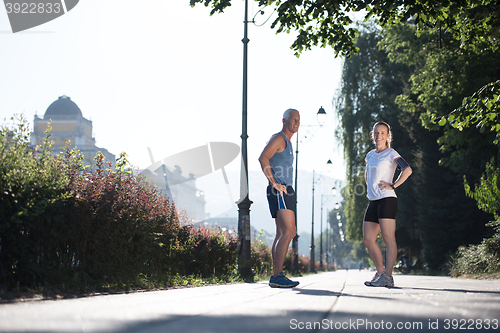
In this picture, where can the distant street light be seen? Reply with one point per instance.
(341, 233)
(312, 267)
(339, 223)
(329, 165)
(334, 191)
(321, 117)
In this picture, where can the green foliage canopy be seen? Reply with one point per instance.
(327, 23)
(473, 24)
(394, 64)
(442, 74)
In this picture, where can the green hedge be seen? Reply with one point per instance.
(483, 258)
(64, 223)
(262, 262)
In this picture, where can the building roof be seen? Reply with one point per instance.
(63, 106)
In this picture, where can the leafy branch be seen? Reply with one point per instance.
(481, 109)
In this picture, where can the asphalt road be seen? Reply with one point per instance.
(324, 302)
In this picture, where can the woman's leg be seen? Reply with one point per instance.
(370, 232)
(388, 227)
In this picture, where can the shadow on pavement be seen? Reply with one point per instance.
(465, 291)
(304, 321)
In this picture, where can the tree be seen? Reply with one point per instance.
(428, 219)
(474, 24)
(483, 257)
(370, 84)
(442, 73)
(327, 23)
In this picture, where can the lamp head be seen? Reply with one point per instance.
(321, 116)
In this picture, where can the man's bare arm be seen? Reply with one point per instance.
(275, 145)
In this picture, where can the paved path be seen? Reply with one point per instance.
(324, 302)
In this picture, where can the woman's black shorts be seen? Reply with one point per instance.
(385, 208)
(276, 201)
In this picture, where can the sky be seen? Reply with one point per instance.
(163, 75)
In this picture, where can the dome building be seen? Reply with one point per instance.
(68, 124)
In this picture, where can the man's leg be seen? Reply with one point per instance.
(285, 221)
(273, 249)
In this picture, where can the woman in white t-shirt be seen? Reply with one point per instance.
(380, 215)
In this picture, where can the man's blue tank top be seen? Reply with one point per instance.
(282, 164)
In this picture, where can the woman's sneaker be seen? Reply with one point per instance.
(281, 281)
(383, 281)
(375, 278)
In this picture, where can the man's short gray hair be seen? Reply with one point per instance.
(286, 114)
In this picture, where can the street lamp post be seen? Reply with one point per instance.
(295, 241)
(329, 166)
(327, 247)
(244, 203)
(321, 117)
(334, 191)
(321, 238)
(312, 267)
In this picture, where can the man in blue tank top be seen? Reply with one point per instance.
(276, 161)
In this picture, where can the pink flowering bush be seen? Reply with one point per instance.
(207, 252)
(63, 223)
(262, 263)
(303, 261)
(260, 254)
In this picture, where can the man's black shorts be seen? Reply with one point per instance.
(385, 208)
(276, 201)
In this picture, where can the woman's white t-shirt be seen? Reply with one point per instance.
(380, 166)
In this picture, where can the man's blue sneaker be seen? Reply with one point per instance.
(281, 281)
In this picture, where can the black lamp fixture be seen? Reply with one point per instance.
(329, 165)
(321, 116)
